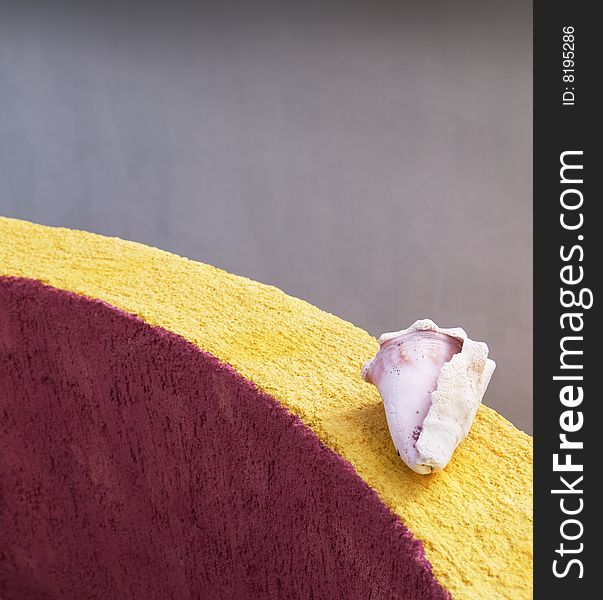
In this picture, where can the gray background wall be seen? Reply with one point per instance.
(373, 159)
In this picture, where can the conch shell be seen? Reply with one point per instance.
(432, 381)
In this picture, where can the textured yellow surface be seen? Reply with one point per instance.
(475, 518)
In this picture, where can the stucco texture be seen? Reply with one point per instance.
(474, 519)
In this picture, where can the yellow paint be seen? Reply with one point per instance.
(475, 518)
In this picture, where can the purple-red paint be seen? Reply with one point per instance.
(135, 466)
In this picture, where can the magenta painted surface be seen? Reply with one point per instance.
(133, 465)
